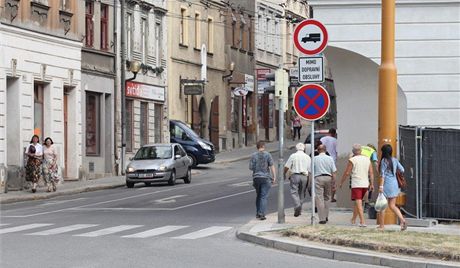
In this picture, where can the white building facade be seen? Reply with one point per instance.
(146, 96)
(427, 52)
(40, 84)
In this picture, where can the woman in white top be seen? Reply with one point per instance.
(50, 167)
(360, 169)
(34, 153)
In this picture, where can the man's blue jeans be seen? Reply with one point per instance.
(262, 186)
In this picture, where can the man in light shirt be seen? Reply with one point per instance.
(325, 171)
(298, 165)
(330, 141)
(362, 176)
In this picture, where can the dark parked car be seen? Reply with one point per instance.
(199, 150)
(159, 162)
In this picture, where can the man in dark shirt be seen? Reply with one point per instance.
(261, 164)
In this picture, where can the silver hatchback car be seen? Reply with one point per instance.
(159, 162)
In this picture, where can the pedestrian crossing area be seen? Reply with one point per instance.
(180, 232)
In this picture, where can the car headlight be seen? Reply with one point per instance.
(162, 168)
(204, 145)
(131, 169)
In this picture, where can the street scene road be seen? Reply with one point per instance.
(189, 225)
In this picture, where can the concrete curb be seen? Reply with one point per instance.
(32, 197)
(245, 157)
(337, 253)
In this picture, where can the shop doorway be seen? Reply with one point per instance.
(214, 123)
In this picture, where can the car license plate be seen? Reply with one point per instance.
(146, 175)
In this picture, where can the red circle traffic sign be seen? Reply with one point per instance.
(311, 102)
(307, 33)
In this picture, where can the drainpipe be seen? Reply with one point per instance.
(115, 82)
(123, 86)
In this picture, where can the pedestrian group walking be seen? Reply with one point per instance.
(42, 161)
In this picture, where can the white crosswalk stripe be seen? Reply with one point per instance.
(204, 232)
(23, 227)
(156, 231)
(65, 229)
(110, 230)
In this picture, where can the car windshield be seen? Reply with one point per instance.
(153, 152)
(189, 130)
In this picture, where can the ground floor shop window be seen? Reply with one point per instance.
(129, 125)
(157, 124)
(144, 131)
(38, 109)
(92, 123)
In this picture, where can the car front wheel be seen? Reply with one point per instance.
(129, 184)
(172, 179)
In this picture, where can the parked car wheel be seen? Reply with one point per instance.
(130, 184)
(188, 177)
(194, 161)
(172, 179)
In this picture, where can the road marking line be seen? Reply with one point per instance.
(212, 200)
(65, 229)
(156, 231)
(61, 202)
(116, 200)
(3, 224)
(167, 200)
(159, 209)
(23, 227)
(242, 184)
(204, 232)
(110, 230)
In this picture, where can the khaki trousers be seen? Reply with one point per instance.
(323, 192)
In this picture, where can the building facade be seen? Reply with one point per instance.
(98, 88)
(239, 54)
(196, 88)
(269, 57)
(40, 80)
(146, 106)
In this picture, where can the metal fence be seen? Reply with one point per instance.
(431, 158)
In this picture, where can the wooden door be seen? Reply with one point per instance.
(66, 117)
(214, 123)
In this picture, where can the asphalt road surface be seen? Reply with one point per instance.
(186, 225)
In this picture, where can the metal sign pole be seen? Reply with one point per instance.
(312, 142)
(281, 216)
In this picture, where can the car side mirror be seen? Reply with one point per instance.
(177, 156)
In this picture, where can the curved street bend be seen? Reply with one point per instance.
(187, 225)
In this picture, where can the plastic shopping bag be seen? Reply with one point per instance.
(381, 203)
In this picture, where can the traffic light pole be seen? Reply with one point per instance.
(281, 216)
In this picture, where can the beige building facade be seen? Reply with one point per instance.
(197, 92)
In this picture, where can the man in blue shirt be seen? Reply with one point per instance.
(261, 164)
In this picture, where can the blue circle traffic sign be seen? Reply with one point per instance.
(311, 102)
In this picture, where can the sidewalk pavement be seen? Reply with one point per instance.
(74, 187)
(264, 233)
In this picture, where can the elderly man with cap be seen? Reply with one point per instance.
(298, 164)
(324, 182)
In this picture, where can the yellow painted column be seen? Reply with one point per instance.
(388, 88)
